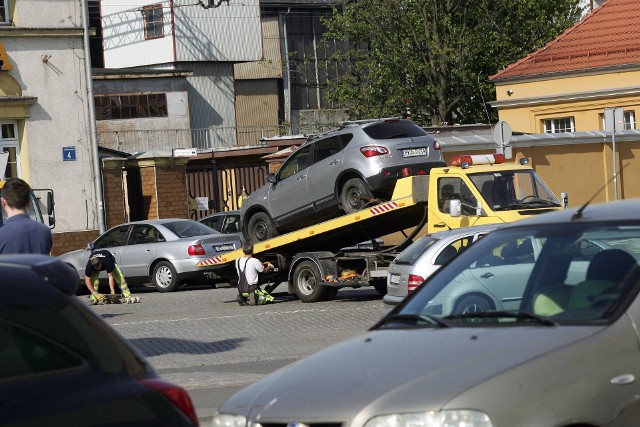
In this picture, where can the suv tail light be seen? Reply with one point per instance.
(196, 250)
(406, 172)
(413, 283)
(436, 145)
(176, 395)
(373, 150)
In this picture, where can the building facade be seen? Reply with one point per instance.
(44, 107)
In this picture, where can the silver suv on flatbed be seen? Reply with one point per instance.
(337, 172)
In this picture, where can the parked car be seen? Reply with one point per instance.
(162, 251)
(424, 256)
(62, 365)
(550, 342)
(223, 222)
(341, 170)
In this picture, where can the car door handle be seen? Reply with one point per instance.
(487, 275)
(302, 177)
(334, 162)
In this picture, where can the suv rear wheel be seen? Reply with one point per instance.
(355, 195)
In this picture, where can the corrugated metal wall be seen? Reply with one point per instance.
(270, 66)
(230, 32)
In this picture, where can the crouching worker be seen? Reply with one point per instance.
(248, 268)
(103, 260)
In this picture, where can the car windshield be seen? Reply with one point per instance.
(189, 228)
(572, 273)
(513, 190)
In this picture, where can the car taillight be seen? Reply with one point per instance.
(414, 282)
(436, 145)
(176, 395)
(406, 172)
(196, 250)
(373, 150)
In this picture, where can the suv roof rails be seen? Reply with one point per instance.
(354, 122)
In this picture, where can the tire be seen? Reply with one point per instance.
(355, 195)
(380, 285)
(164, 277)
(473, 304)
(306, 282)
(261, 227)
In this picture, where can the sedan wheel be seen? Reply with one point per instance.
(164, 277)
(473, 304)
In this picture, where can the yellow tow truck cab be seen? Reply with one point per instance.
(483, 189)
(316, 261)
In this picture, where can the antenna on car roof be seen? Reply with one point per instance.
(578, 214)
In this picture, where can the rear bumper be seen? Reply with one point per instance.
(384, 182)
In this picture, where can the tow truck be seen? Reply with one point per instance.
(472, 190)
(36, 207)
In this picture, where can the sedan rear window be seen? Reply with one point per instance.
(410, 255)
(189, 228)
(391, 130)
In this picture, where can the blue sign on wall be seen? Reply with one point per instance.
(68, 154)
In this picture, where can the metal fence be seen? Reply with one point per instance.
(132, 141)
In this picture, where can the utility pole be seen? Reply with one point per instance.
(614, 120)
(92, 118)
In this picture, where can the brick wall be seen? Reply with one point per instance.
(172, 192)
(66, 242)
(148, 178)
(113, 197)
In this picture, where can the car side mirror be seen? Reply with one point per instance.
(455, 208)
(91, 245)
(272, 178)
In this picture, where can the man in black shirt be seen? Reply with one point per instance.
(103, 260)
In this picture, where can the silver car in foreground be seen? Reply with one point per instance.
(163, 251)
(424, 256)
(552, 341)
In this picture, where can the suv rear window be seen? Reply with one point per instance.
(390, 130)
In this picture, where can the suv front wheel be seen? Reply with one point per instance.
(355, 195)
(261, 227)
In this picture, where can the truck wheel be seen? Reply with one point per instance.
(306, 282)
(355, 195)
(261, 227)
(164, 277)
(380, 285)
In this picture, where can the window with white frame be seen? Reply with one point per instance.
(560, 124)
(4, 12)
(630, 119)
(9, 144)
(153, 21)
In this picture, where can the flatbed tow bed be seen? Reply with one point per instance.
(321, 244)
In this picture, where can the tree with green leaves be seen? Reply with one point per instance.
(431, 59)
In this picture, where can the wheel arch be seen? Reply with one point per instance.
(477, 294)
(244, 221)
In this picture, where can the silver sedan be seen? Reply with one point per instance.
(164, 251)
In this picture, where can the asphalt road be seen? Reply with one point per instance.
(203, 340)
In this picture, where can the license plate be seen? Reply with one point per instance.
(224, 248)
(394, 279)
(414, 152)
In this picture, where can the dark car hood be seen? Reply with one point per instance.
(382, 368)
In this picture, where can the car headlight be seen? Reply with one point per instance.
(450, 418)
(228, 420)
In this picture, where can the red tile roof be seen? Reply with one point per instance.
(607, 37)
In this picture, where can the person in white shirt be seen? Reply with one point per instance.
(248, 269)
